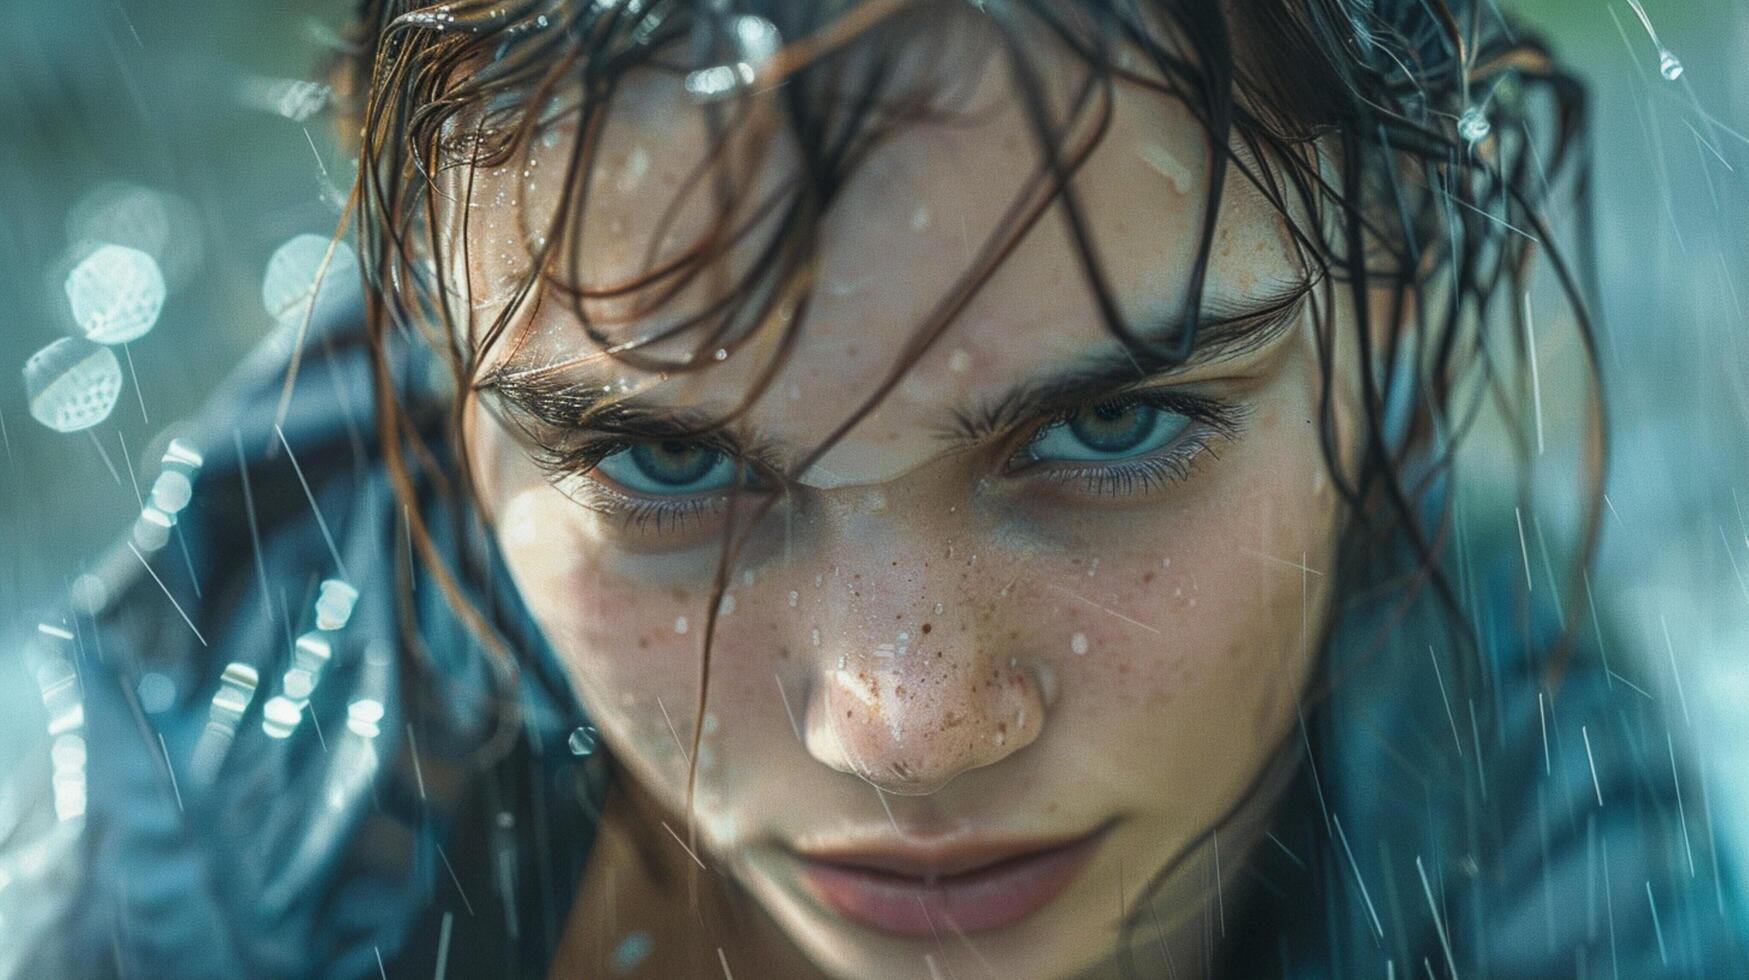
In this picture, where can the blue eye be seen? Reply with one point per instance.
(669, 468)
(1113, 430)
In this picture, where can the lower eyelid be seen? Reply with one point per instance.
(1167, 465)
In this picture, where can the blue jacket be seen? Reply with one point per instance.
(1455, 813)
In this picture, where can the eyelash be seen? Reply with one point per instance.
(1210, 421)
(569, 469)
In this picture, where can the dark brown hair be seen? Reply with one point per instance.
(1414, 146)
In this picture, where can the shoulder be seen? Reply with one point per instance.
(267, 782)
(1506, 805)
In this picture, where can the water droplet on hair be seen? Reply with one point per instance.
(116, 293)
(1669, 65)
(72, 384)
(1473, 125)
(582, 740)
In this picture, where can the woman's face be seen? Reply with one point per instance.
(1069, 632)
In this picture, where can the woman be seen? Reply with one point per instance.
(896, 489)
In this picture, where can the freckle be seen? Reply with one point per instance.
(927, 628)
(1147, 577)
(643, 643)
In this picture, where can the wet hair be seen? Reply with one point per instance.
(1413, 147)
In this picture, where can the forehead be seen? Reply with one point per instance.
(898, 239)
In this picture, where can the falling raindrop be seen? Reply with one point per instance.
(157, 692)
(162, 225)
(152, 529)
(72, 384)
(171, 491)
(334, 604)
(290, 288)
(582, 740)
(116, 293)
(363, 716)
(280, 716)
(1473, 125)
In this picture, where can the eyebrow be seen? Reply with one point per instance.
(1230, 330)
(1234, 330)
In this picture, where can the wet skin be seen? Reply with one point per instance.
(939, 638)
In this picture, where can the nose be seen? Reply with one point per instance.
(910, 720)
(911, 707)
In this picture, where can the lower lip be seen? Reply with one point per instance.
(989, 898)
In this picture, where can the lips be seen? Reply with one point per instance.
(968, 887)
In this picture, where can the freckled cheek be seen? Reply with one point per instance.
(631, 644)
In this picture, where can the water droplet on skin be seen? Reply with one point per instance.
(920, 219)
(680, 626)
(116, 294)
(1669, 65)
(721, 354)
(1078, 644)
(1473, 125)
(72, 384)
(582, 740)
(1168, 166)
(631, 951)
(636, 167)
(794, 598)
(959, 362)
(938, 608)
(727, 606)
(814, 637)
